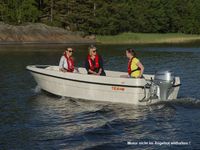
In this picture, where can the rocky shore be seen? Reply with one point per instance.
(39, 33)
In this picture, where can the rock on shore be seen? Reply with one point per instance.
(39, 33)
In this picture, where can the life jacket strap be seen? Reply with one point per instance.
(138, 68)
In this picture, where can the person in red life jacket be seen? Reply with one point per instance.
(66, 63)
(135, 67)
(94, 62)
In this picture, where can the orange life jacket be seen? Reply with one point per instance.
(70, 63)
(93, 67)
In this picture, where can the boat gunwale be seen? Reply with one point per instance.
(83, 81)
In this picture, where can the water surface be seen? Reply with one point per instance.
(32, 119)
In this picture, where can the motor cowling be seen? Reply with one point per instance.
(164, 79)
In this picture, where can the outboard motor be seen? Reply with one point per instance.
(164, 80)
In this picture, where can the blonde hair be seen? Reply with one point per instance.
(68, 48)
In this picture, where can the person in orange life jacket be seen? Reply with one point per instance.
(94, 62)
(135, 67)
(66, 63)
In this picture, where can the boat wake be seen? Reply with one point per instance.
(37, 89)
(183, 102)
(97, 124)
(187, 102)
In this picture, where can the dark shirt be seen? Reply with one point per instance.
(87, 66)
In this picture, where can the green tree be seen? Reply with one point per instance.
(2, 11)
(29, 11)
(19, 11)
(107, 17)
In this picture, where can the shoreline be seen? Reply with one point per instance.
(185, 41)
(150, 43)
(41, 34)
(148, 38)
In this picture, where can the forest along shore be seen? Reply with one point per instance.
(148, 38)
(40, 33)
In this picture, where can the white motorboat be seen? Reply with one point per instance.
(114, 87)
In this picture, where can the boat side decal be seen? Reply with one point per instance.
(115, 88)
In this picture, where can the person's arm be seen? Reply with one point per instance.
(76, 70)
(92, 72)
(61, 64)
(139, 64)
(87, 67)
(100, 70)
(100, 65)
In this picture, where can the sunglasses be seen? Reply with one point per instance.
(70, 51)
(94, 51)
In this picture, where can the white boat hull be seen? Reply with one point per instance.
(111, 88)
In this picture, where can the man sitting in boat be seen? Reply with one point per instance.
(66, 61)
(135, 67)
(94, 62)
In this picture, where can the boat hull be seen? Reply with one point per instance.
(97, 88)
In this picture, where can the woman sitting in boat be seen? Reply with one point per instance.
(66, 61)
(135, 67)
(94, 62)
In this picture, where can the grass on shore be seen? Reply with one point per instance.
(147, 38)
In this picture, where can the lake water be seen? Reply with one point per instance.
(32, 119)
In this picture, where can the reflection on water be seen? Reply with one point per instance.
(78, 124)
(31, 118)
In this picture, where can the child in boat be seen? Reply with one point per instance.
(135, 67)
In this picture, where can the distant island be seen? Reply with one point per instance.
(39, 33)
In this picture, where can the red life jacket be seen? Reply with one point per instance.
(70, 63)
(129, 67)
(93, 67)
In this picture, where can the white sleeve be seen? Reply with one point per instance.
(65, 63)
(61, 63)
